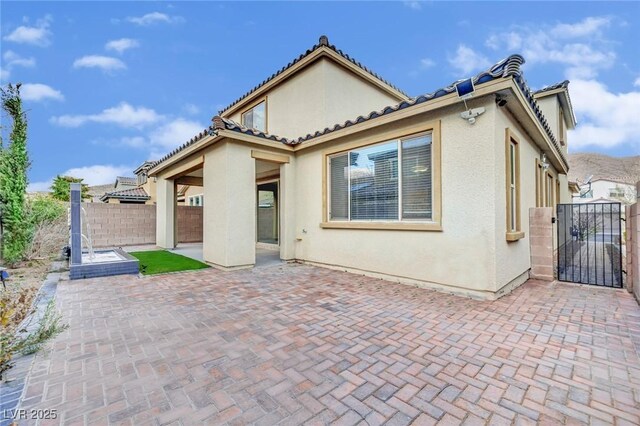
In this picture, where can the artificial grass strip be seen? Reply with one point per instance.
(162, 261)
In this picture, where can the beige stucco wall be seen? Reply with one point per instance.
(513, 258)
(550, 106)
(321, 95)
(229, 235)
(150, 187)
(165, 213)
(460, 258)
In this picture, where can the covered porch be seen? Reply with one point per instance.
(247, 204)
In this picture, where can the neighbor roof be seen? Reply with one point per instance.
(99, 190)
(127, 194)
(144, 166)
(507, 68)
(322, 42)
(126, 180)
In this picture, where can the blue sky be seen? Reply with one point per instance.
(109, 85)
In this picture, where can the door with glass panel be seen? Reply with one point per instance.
(268, 218)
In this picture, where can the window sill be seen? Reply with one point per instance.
(400, 226)
(515, 236)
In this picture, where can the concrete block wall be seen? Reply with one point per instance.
(541, 243)
(189, 224)
(114, 225)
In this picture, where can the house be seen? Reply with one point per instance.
(190, 195)
(360, 176)
(99, 193)
(604, 179)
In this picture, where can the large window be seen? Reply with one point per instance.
(389, 181)
(256, 117)
(513, 187)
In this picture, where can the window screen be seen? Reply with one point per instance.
(416, 178)
(255, 118)
(339, 173)
(374, 182)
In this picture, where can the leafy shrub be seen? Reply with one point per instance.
(15, 306)
(49, 230)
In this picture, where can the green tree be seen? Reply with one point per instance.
(14, 163)
(62, 185)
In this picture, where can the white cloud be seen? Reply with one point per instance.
(584, 55)
(106, 63)
(427, 63)
(134, 141)
(39, 92)
(191, 109)
(154, 18)
(606, 119)
(637, 82)
(174, 134)
(42, 186)
(121, 44)
(415, 5)
(587, 27)
(467, 60)
(123, 115)
(98, 174)
(12, 59)
(38, 35)
(92, 175)
(4, 74)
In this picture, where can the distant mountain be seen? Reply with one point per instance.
(619, 169)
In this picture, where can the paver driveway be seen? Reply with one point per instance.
(297, 344)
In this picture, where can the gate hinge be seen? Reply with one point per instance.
(623, 219)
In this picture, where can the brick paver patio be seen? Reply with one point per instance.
(296, 344)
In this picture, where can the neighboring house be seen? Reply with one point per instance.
(361, 177)
(186, 194)
(98, 192)
(613, 179)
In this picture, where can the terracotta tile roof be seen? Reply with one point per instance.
(323, 41)
(561, 85)
(99, 190)
(146, 165)
(507, 68)
(127, 194)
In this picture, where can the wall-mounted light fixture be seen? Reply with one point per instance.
(545, 163)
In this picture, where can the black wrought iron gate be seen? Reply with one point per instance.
(590, 243)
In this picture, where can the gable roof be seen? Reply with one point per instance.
(561, 89)
(323, 42)
(146, 165)
(99, 190)
(126, 181)
(509, 67)
(127, 194)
